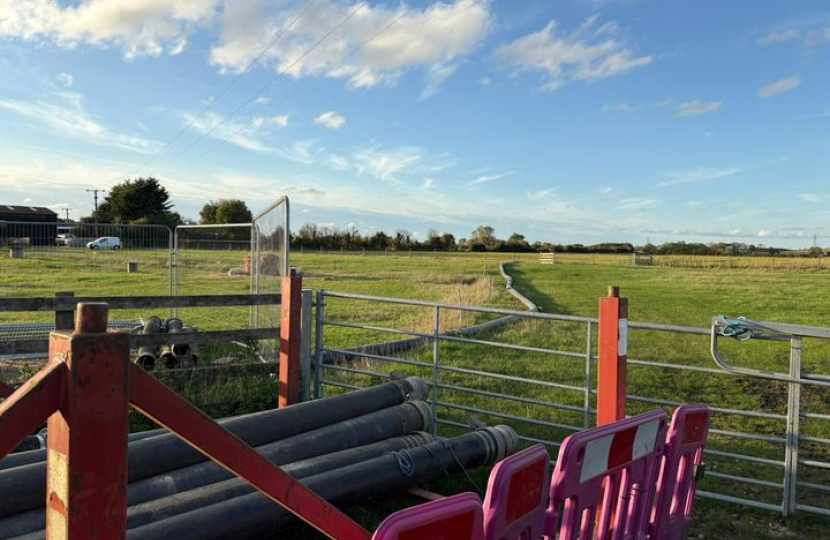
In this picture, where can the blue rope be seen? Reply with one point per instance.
(741, 329)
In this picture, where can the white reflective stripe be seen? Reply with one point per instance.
(645, 439)
(622, 344)
(596, 458)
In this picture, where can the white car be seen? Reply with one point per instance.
(105, 242)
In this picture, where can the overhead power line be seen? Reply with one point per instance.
(259, 92)
(210, 104)
(290, 94)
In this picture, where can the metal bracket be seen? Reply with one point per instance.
(782, 332)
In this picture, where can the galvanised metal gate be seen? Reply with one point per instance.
(770, 438)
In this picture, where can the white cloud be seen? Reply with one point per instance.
(811, 197)
(637, 203)
(428, 183)
(490, 178)
(763, 233)
(779, 36)
(436, 75)
(485, 81)
(275, 121)
(697, 108)
(434, 37)
(331, 120)
(248, 134)
(811, 32)
(386, 165)
(623, 107)
(605, 190)
(65, 79)
(780, 86)
(699, 174)
(67, 117)
(138, 27)
(589, 53)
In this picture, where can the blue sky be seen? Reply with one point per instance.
(568, 121)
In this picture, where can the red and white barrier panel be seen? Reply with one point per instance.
(605, 479)
(671, 517)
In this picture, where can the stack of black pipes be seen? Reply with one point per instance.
(348, 449)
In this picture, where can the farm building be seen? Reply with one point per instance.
(31, 225)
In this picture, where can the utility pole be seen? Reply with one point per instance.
(66, 213)
(95, 199)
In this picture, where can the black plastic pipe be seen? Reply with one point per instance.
(254, 516)
(147, 356)
(24, 488)
(30, 525)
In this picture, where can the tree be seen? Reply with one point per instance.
(225, 211)
(143, 200)
(484, 235)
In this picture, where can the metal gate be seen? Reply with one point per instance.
(770, 438)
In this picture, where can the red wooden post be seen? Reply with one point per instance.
(613, 345)
(86, 491)
(290, 332)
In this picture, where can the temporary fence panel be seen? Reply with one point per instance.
(270, 239)
(126, 259)
(769, 443)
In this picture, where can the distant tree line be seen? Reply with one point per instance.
(146, 201)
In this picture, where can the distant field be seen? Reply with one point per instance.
(682, 296)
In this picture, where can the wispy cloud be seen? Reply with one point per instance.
(811, 32)
(780, 86)
(623, 107)
(697, 108)
(331, 120)
(65, 115)
(637, 203)
(590, 53)
(65, 79)
(699, 174)
(811, 197)
(485, 178)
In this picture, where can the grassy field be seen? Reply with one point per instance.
(680, 296)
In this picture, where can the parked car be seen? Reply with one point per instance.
(105, 242)
(68, 240)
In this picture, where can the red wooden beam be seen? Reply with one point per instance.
(87, 445)
(613, 359)
(25, 410)
(290, 322)
(166, 408)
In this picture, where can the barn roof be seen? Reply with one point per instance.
(26, 210)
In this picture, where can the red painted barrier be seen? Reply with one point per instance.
(456, 518)
(86, 388)
(5, 390)
(605, 479)
(613, 351)
(672, 515)
(517, 494)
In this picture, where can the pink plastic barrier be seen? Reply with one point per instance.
(514, 508)
(672, 515)
(618, 462)
(454, 518)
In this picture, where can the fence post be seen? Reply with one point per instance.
(305, 345)
(319, 344)
(613, 345)
(436, 366)
(793, 430)
(65, 320)
(86, 492)
(290, 337)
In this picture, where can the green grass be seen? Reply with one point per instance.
(679, 296)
